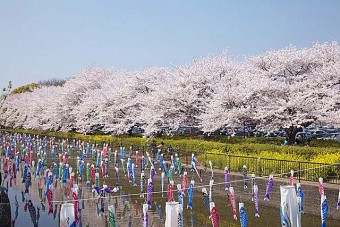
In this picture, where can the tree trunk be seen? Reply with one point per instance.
(130, 132)
(291, 133)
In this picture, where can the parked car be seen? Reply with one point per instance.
(137, 130)
(331, 136)
(303, 136)
(188, 130)
(281, 133)
(337, 138)
(259, 134)
(316, 133)
(270, 135)
(96, 127)
(71, 128)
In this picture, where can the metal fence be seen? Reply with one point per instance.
(308, 171)
(304, 170)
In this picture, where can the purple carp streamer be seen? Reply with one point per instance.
(145, 215)
(150, 191)
(226, 178)
(256, 200)
(252, 186)
(269, 187)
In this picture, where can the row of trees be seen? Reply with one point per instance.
(5, 92)
(286, 88)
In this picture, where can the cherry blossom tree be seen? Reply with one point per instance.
(286, 88)
(183, 96)
(299, 94)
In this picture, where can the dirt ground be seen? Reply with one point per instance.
(132, 205)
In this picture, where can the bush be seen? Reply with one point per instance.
(25, 88)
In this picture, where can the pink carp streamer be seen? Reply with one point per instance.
(232, 201)
(170, 191)
(49, 199)
(215, 219)
(184, 182)
(71, 183)
(134, 177)
(321, 190)
(291, 178)
(76, 205)
(197, 173)
(93, 174)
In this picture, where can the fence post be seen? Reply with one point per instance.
(229, 167)
(299, 173)
(259, 167)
